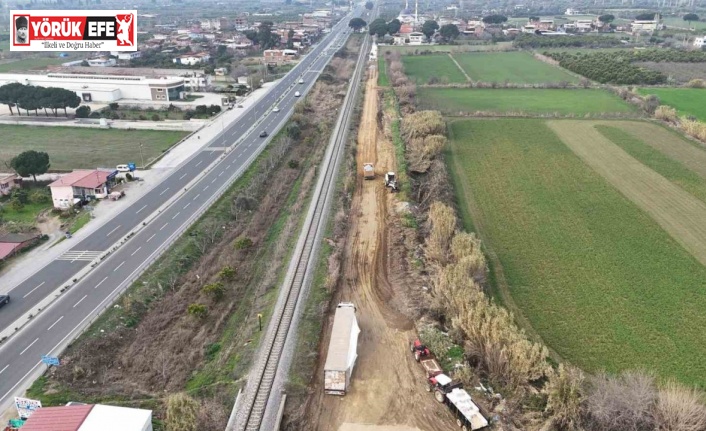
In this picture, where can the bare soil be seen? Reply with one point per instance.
(387, 384)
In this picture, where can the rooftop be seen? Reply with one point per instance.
(65, 418)
(85, 179)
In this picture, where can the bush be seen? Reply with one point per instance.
(197, 310)
(141, 117)
(243, 243)
(679, 409)
(294, 131)
(16, 204)
(182, 413)
(216, 290)
(666, 113)
(21, 195)
(696, 83)
(189, 114)
(227, 273)
(211, 350)
(83, 111)
(565, 393)
(293, 164)
(113, 106)
(156, 117)
(621, 403)
(114, 116)
(39, 197)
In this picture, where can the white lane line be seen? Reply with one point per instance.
(205, 188)
(182, 177)
(28, 293)
(196, 197)
(116, 228)
(138, 249)
(138, 211)
(164, 191)
(214, 180)
(230, 165)
(187, 205)
(220, 173)
(1, 371)
(118, 267)
(80, 300)
(148, 239)
(176, 215)
(101, 282)
(196, 165)
(30, 345)
(165, 225)
(52, 325)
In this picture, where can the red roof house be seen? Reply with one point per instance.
(80, 185)
(65, 418)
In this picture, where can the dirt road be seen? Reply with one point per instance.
(387, 384)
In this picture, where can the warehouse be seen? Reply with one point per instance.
(105, 88)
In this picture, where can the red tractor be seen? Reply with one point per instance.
(419, 350)
(441, 384)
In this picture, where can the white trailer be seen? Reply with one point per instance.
(342, 350)
(468, 415)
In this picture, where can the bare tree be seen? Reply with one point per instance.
(622, 403)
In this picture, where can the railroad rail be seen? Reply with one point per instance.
(261, 379)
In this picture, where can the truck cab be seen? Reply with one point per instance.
(441, 384)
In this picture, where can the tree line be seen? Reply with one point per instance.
(534, 41)
(34, 98)
(608, 67)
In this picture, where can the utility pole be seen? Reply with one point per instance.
(142, 157)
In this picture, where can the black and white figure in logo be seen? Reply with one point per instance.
(124, 29)
(21, 26)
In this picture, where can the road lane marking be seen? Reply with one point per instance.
(138, 249)
(101, 282)
(148, 239)
(187, 205)
(117, 267)
(164, 191)
(214, 180)
(79, 301)
(116, 228)
(220, 174)
(165, 225)
(57, 321)
(205, 188)
(196, 197)
(30, 345)
(1, 371)
(181, 177)
(138, 211)
(28, 293)
(197, 165)
(176, 215)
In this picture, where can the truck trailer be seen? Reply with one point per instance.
(467, 413)
(342, 350)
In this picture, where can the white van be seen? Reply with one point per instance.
(123, 168)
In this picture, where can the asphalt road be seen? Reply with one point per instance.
(20, 357)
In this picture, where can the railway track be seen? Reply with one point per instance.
(257, 393)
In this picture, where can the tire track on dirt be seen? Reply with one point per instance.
(679, 213)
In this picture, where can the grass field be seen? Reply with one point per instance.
(411, 50)
(30, 64)
(84, 148)
(515, 67)
(421, 68)
(596, 276)
(687, 101)
(680, 23)
(530, 101)
(383, 80)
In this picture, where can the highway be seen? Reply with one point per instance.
(55, 327)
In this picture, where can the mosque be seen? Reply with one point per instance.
(406, 16)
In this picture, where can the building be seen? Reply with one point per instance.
(90, 417)
(581, 25)
(12, 243)
(192, 59)
(647, 25)
(80, 186)
(373, 52)
(9, 182)
(279, 56)
(104, 87)
(194, 79)
(571, 11)
(101, 62)
(700, 42)
(126, 56)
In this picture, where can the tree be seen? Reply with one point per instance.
(691, 17)
(266, 39)
(30, 163)
(394, 26)
(449, 32)
(369, 5)
(182, 413)
(10, 94)
(606, 19)
(290, 39)
(83, 111)
(494, 19)
(357, 23)
(429, 28)
(534, 18)
(648, 16)
(378, 27)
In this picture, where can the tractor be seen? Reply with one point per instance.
(419, 350)
(441, 384)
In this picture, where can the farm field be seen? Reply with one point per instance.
(422, 68)
(581, 261)
(679, 72)
(515, 67)
(84, 148)
(679, 22)
(450, 101)
(411, 50)
(583, 50)
(383, 80)
(687, 101)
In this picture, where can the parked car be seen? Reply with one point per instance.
(4, 300)
(123, 168)
(263, 134)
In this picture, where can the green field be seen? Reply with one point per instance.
(595, 276)
(687, 101)
(411, 49)
(680, 23)
(531, 101)
(423, 68)
(30, 64)
(515, 67)
(85, 148)
(383, 80)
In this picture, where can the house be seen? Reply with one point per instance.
(647, 25)
(81, 185)
(581, 25)
(416, 38)
(571, 11)
(12, 243)
(9, 182)
(192, 59)
(700, 42)
(102, 62)
(126, 56)
(279, 56)
(89, 417)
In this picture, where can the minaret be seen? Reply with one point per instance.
(416, 11)
(406, 5)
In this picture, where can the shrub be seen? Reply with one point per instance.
(679, 409)
(294, 131)
(83, 111)
(216, 290)
(39, 197)
(666, 113)
(16, 204)
(564, 396)
(197, 310)
(141, 117)
(293, 164)
(696, 83)
(211, 350)
(443, 225)
(243, 243)
(114, 116)
(156, 117)
(21, 195)
(423, 123)
(621, 403)
(113, 106)
(182, 413)
(227, 273)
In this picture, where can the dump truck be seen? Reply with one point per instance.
(451, 393)
(342, 350)
(368, 171)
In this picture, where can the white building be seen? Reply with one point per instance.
(192, 59)
(127, 56)
(101, 62)
(104, 88)
(571, 11)
(647, 25)
(374, 52)
(700, 42)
